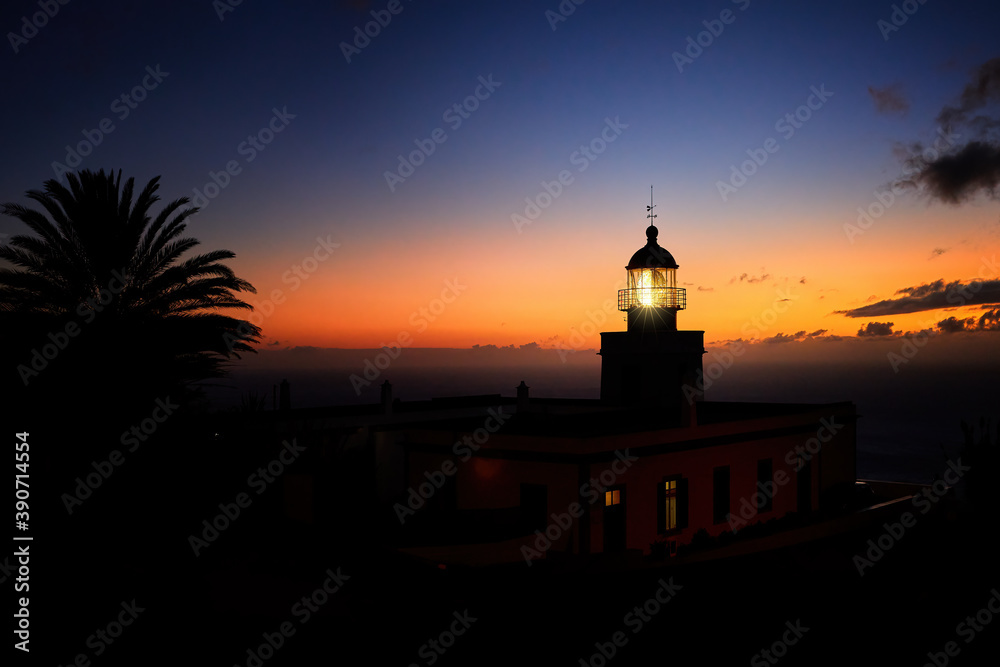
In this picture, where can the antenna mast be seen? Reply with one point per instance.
(649, 209)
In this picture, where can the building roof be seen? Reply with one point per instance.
(652, 255)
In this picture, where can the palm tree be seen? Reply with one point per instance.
(105, 283)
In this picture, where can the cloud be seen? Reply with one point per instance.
(932, 296)
(876, 329)
(889, 100)
(937, 252)
(957, 174)
(983, 89)
(705, 289)
(990, 321)
(923, 290)
(746, 277)
(779, 338)
(953, 325)
(960, 176)
(802, 280)
(818, 332)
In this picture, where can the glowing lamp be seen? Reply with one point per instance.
(652, 295)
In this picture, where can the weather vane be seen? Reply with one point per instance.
(649, 209)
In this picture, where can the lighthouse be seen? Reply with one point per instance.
(650, 362)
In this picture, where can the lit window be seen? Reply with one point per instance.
(670, 493)
(612, 498)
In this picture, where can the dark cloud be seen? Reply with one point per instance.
(779, 338)
(802, 280)
(960, 176)
(818, 332)
(951, 173)
(937, 252)
(876, 329)
(983, 89)
(705, 289)
(922, 290)
(953, 325)
(933, 296)
(889, 100)
(989, 321)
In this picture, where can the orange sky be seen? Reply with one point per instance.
(548, 284)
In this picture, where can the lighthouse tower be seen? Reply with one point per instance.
(650, 363)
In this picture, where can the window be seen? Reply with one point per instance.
(720, 494)
(671, 504)
(612, 497)
(670, 498)
(765, 485)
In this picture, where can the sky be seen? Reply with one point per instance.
(478, 173)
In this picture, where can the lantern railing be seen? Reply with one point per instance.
(659, 297)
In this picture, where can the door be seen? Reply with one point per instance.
(614, 519)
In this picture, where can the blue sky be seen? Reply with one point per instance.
(325, 172)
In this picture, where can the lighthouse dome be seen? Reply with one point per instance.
(652, 255)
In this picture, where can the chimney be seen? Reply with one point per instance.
(387, 398)
(522, 397)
